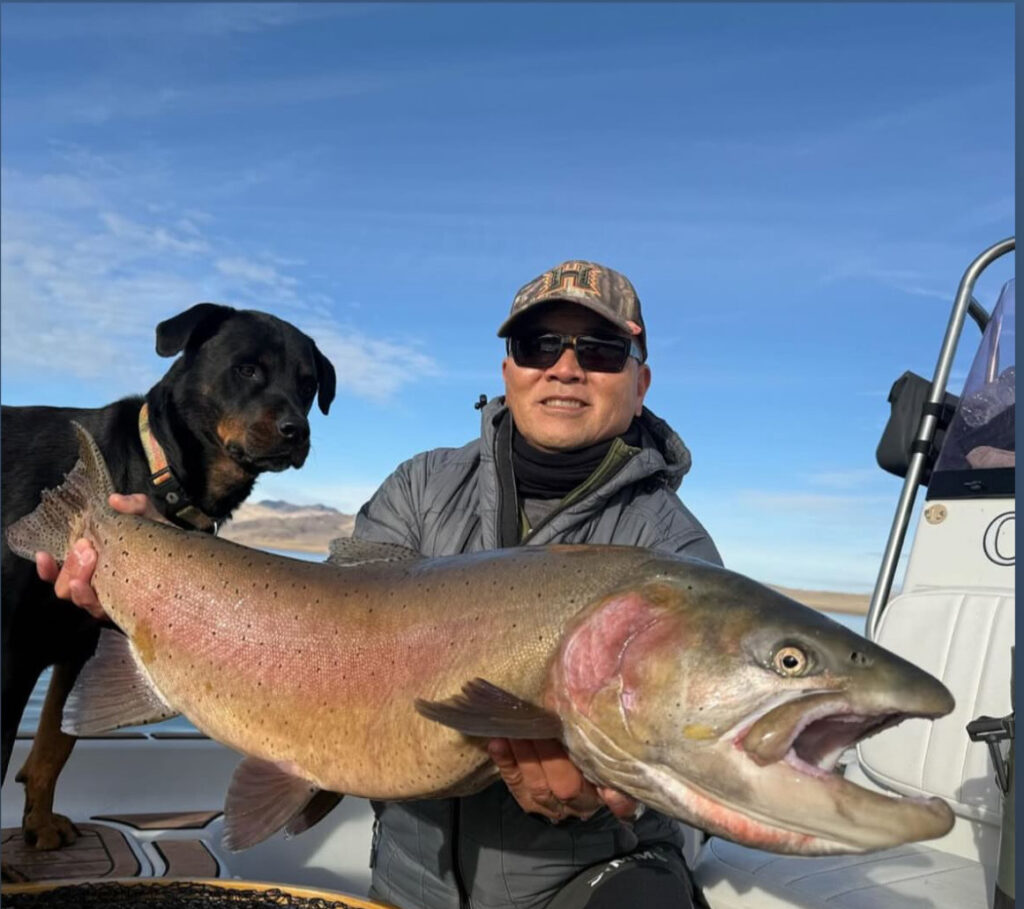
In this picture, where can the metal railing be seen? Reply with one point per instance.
(963, 304)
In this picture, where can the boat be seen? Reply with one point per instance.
(954, 616)
(148, 800)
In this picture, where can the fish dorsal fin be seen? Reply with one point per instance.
(264, 798)
(348, 552)
(113, 690)
(483, 709)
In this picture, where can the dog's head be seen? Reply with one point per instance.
(248, 379)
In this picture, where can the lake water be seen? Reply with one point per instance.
(180, 724)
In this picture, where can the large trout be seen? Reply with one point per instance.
(695, 690)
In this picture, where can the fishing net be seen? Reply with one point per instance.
(170, 895)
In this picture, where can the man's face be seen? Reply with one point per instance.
(565, 407)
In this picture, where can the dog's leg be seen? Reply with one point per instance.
(50, 752)
(19, 678)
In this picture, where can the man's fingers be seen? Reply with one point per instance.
(517, 763)
(619, 804)
(46, 567)
(543, 779)
(564, 779)
(74, 581)
(500, 751)
(136, 503)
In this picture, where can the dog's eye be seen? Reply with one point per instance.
(247, 371)
(307, 388)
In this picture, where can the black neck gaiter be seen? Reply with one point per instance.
(553, 475)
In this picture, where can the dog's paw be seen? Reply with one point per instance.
(11, 875)
(52, 832)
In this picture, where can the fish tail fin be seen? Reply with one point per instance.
(60, 518)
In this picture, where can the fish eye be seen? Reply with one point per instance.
(790, 660)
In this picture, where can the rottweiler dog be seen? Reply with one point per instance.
(231, 406)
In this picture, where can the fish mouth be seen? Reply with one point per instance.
(801, 741)
(810, 732)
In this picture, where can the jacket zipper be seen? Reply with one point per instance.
(596, 480)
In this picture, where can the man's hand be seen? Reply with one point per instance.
(544, 781)
(73, 580)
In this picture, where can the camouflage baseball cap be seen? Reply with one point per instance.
(606, 292)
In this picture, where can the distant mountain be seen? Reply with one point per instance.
(272, 524)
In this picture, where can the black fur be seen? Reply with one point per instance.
(244, 378)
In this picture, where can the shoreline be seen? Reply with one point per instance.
(822, 600)
(828, 600)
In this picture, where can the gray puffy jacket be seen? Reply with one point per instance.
(484, 851)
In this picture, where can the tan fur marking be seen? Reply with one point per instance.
(51, 748)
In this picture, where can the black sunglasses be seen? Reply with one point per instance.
(594, 353)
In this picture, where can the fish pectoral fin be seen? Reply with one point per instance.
(112, 690)
(317, 808)
(262, 799)
(348, 552)
(485, 710)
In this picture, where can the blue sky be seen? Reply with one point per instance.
(794, 190)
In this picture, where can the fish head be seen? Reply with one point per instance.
(721, 702)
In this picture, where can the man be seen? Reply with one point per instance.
(569, 455)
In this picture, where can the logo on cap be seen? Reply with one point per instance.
(582, 277)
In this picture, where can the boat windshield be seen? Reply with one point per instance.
(978, 455)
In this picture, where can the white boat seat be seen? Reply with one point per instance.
(916, 758)
(910, 877)
(937, 758)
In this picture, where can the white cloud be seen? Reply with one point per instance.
(156, 239)
(811, 503)
(85, 281)
(853, 478)
(167, 21)
(252, 272)
(372, 368)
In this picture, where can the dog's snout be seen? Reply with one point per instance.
(294, 429)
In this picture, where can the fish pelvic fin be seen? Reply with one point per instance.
(485, 710)
(59, 518)
(113, 690)
(264, 798)
(316, 809)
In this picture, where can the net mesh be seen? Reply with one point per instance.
(172, 895)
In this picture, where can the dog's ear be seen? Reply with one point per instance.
(195, 323)
(325, 380)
